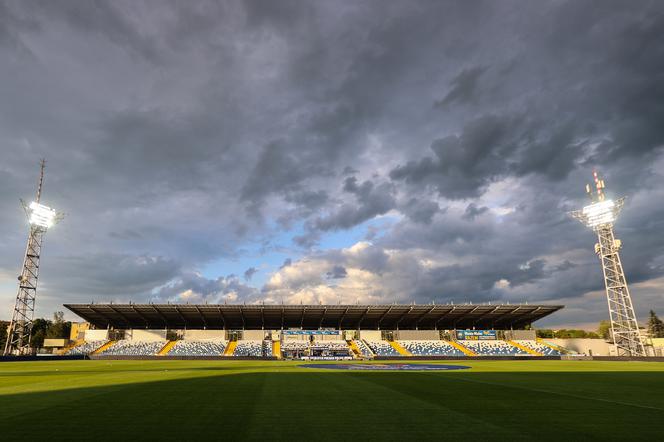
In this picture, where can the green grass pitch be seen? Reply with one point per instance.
(275, 400)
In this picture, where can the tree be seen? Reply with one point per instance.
(566, 334)
(604, 330)
(39, 328)
(655, 326)
(58, 329)
(544, 333)
(3, 334)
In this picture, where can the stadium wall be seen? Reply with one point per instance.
(205, 335)
(526, 335)
(590, 347)
(78, 330)
(253, 335)
(370, 335)
(96, 335)
(328, 337)
(658, 342)
(290, 338)
(145, 335)
(422, 335)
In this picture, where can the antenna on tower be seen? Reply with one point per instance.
(42, 165)
(40, 218)
(600, 216)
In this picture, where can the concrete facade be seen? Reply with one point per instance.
(205, 335)
(590, 347)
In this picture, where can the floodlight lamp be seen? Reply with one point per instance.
(599, 213)
(41, 216)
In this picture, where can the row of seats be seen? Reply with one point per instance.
(250, 348)
(267, 348)
(382, 348)
(294, 346)
(492, 348)
(134, 348)
(364, 348)
(264, 348)
(430, 348)
(545, 350)
(330, 345)
(198, 348)
(86, 348)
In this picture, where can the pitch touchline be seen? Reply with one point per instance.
(629, 404)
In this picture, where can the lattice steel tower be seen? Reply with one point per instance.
(600, 216)
(40, 218)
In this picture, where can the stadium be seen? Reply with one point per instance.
(325, 372)
(291, 220)
(330, 372)
(310, 331)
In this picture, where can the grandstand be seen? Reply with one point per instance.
(431, 348)
(315, 349)
(543, 349)
(197, 348)
(364, 349)
(133, 348)
(311, 317)
(85, 348)
(250, 348)
(382, 348)
(492, 348)
(311, 332)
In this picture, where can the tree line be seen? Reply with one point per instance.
(57, 328)
(655, 328)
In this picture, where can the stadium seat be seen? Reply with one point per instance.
(493, 348)
(330, 345)
(267, 348)
(430, 348)
(198, 348)
(86, 348)
(545, 350)
(382, 348)
(364, 348)
(294, 346)
(249, 348)
(126, 347)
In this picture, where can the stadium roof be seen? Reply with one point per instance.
(310, 317)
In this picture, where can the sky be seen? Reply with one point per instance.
(332, 152)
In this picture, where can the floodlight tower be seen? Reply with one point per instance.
(40, 218)
(600, 216)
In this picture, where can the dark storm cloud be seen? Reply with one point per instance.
(308, 198)
(308, 239)
(113, 277)
(337, 272)
(249, 273)
(278, 169)
(371, 200)
(192, 287)
(420, 211)
(472, 211)
(464, 165)
(463, 86)
(180, 135)
(287, 262)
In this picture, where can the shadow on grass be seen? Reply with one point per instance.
(347, 406)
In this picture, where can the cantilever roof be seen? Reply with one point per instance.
(311, 317)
